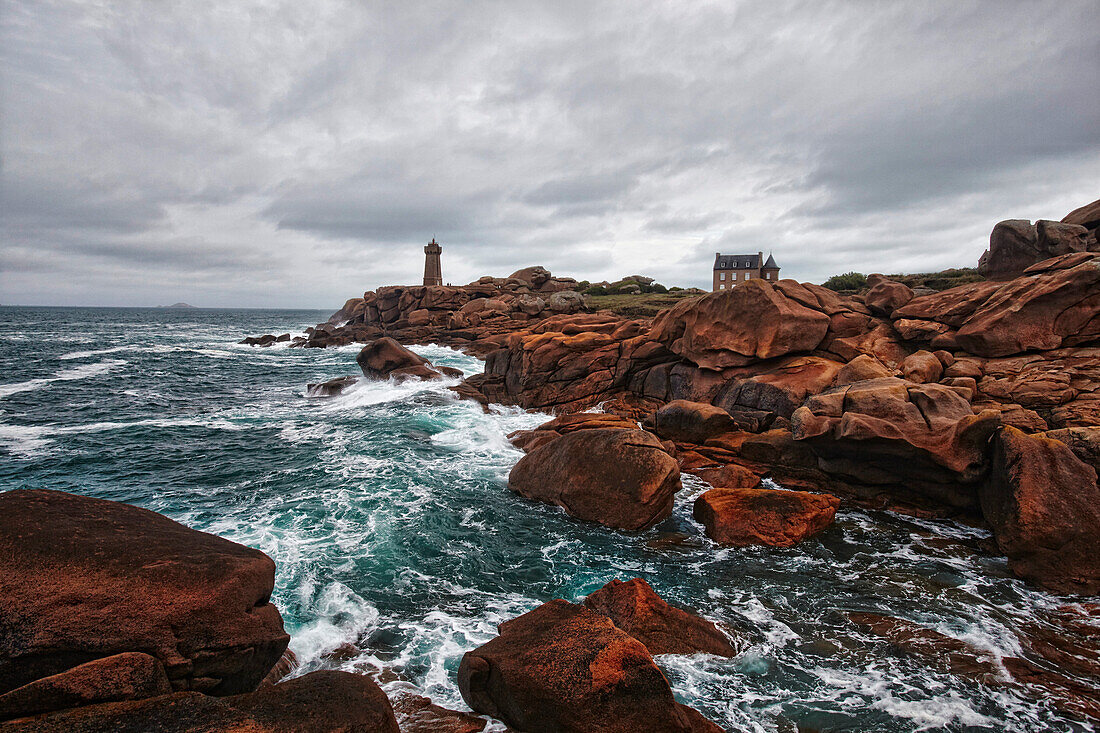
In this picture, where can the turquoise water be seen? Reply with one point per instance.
(387, 513)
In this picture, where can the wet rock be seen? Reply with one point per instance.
(635, 608)
(729, 476)
(282, 669)
(384, 358)
(84, 579)
(772, 517)
(951, 654)
(619, 478)
(1043, 505)
(565, 668)
(331, 388)
(418, 714)
(319, 702)
(265, 340)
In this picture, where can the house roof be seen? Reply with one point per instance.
(770, 264)
(737, 262)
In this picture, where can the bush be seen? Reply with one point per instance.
(597, 290)
(675, 289)
(657, 288)
(847, 281)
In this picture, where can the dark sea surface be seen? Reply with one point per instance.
(388, 515)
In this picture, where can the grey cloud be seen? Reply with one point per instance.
(316, 146)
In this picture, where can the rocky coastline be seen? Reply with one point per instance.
(980, 403)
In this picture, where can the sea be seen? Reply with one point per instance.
(399, 547)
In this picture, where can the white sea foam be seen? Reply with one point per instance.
(31, 439)
(84, 371)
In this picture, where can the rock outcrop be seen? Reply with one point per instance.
(86, 579)
(384, 358)
(920, 442)
(562, 667)
(620, 478)
(319, 702)
(751, 322)
(777, 518)
(635, 608)
(1016, 244)
(1044, 507)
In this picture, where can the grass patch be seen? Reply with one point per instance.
(642, 305)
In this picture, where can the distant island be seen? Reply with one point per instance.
(177, 305)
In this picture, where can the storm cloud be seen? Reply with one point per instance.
(295, 154)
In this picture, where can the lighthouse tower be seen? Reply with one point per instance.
(433, 275)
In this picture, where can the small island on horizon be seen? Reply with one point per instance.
(177, 305)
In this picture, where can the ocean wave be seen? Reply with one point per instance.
(84, 371)
(29, 440)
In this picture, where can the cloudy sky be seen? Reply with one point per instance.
(296, 153)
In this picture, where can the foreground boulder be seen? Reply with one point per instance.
(773, 517)
(83, 579)
(565, 668)
(384, 358)
(619, 478)
(319, 702)
(1043, 505)
(635, 608)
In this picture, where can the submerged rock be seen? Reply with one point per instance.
(774, 517)
(635, 608)
(619, 478)
(82, 579)
(418, 714)
(565, 668)
(332, 387)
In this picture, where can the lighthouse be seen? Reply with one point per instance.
(433, 275)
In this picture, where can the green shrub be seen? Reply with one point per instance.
(597, 290)
(847, 281)
(675, 289)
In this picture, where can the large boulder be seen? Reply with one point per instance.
(1016, 244)
(83, 579)
(619, 478)
(750, 322)
(773, 517)
(319, 702)
(1044, 507)
(886, 295)
(384, 358)
(533, 276)
(564, 668)
(919, 443)
(635, 608)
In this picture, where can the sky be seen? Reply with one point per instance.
(295, 154)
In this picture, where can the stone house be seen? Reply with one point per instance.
(732, 269)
